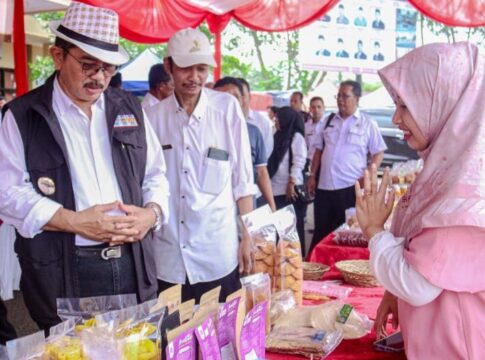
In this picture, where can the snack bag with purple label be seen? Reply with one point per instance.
(227, 329)
(182, 347)
(207, 339)
(253, 333)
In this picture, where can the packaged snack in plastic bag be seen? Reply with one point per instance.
(29, 347)
(260, 227)
(328, 317)
(288, 269)
(306, 341)
(207, 340)
(258, 290)
(326, 288)
(182, 347)
(281, 302)
(227, 328)
(350, 236)
(253, 333)
(58, 346)
(85, 309)
(132, 333)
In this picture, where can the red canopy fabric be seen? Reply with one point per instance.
(154, 21)
(468, 13)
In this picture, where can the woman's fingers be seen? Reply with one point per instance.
(367, 183)
(373, 179)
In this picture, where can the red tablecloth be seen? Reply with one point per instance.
(328, 253)
(365, 300)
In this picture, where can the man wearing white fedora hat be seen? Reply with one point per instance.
(83, 174)
(205, 142)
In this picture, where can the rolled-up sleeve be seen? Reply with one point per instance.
(299, 151)
(155, 184)
(20, 204)
(242, 167)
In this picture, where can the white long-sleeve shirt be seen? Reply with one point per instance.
(201, 241)
(395, 274)
(90, 165)
(279, 181)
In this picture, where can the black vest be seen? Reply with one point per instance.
(46, 156)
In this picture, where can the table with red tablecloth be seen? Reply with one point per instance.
(328, 252)
(364, 300)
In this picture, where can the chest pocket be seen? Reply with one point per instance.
(215, 174)
(356, 136)
(330, 135)
(133, 153)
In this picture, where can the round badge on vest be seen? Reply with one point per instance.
(46, 185)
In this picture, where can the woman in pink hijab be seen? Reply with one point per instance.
(432, 262)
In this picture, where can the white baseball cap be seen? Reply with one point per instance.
(189, 47)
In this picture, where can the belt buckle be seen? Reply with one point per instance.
(112, 252)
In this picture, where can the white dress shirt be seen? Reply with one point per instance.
(90, 164)
(394, 273)
(347, 143)
(148, 101)
(311, 129)
(200, 241)
(279, 181)
(266, 127)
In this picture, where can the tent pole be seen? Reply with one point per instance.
(217, 70)
(20, 49)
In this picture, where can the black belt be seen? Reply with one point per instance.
(103, 252)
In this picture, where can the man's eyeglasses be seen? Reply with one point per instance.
(90, 69)
(343, 96)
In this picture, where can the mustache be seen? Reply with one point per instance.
(94, 85)
(191, 83)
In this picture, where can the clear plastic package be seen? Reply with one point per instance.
(305, 341)
(326, 288)
(85, 309)
(259, 224)
(132, 333)
(288, 269)
(281, 302)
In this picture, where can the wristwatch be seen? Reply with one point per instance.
(158, 216)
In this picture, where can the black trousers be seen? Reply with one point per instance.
(7, 332)
(42, 283)
(229, 284)
(329, 211)
(300, 210)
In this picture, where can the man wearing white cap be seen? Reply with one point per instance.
(83, 174)
(206, 147)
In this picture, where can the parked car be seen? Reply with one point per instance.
(397, 148)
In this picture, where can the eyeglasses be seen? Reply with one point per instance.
(343, 96)
(90, 69)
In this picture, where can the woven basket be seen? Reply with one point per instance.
(313, 270)
(357, 272)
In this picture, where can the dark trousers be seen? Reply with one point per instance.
(7, 332)
(329, 211)
(229, 284)
(99, 277)
(42, 283)
(300, 210)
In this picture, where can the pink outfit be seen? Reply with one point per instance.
(442, 216)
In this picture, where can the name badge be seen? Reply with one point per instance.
(166, 147)
(125, 121)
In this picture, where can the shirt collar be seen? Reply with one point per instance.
(200, 108)
(357, 115)
(64, 102)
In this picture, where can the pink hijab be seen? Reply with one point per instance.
(443, 87)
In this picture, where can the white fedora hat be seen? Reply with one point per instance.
(189, 47)
(94, 30)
